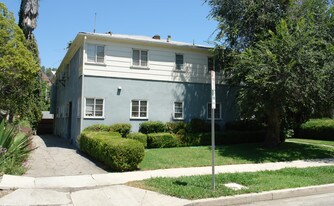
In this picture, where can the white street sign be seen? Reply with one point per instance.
(213, 90)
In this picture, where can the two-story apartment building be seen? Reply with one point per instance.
(111, 78)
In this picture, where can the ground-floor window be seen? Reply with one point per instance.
(217, 111)
(139, 109)
(178, 110)
(94, 107)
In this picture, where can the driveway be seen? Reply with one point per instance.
(54, 156)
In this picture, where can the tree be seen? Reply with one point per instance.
(18, 69)
(284, 73)
(286, 69)
(28, 22)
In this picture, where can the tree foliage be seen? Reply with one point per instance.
(286, 63)
(28, 22)
(18, 70)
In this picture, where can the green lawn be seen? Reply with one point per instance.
(230, 154)
(314, 142)
(198, 187)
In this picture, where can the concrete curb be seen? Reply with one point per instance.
(96, 180)
(265, 196)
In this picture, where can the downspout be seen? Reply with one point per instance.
(82, 83)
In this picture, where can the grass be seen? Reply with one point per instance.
(313, 142)
(198, 187)
(230, 154)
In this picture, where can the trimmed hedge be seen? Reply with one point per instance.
(98, 128)
(198, 125)
(117, 153)
(151, 127)
(227, 137)
(161, 140)
(122, 128)
(245, 125)
(322, 129)
(175, 127)
(139, 137)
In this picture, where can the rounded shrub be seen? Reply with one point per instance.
(161, 140)
(122, 128)
(175, 127)
(139, 137)
(151, 127)
(98, 128)
(118, 153)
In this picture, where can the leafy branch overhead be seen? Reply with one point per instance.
(282, 52)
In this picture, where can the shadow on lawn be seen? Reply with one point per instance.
(287, 152)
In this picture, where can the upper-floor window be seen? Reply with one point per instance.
(95, 53)
(139, 58)
(178, 110)
(179, 62)
(94, 107)
(218, 114)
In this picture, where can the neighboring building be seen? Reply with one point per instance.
(111, 78)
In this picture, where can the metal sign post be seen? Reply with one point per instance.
(213, 107)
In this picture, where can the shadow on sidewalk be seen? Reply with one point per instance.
(54, 141)
(63, 148)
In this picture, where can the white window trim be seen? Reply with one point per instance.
(182, 118)
(220, 110)
(147, 109)
(183, 69)
(94, 117)
(95, 61)
(139, 66)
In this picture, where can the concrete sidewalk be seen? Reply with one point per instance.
(54, 156)
(98, 180)
(106, 189)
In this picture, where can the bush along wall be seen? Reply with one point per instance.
(197, 133)
(119, 154)
(98, 128)
(321, 129)
(151, 127)
(161, 140)
(122, 128)
(139, 137)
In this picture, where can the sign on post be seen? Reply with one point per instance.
(213, 107)
(213, 90)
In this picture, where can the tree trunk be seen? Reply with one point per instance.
(274, 126)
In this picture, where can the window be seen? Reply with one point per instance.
(178, 110)
(178, 61)
(217, 111)
(139, 109)
(95, 53)
(139, 58)
(94, 107)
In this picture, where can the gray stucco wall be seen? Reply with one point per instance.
(160, 96)
(69, 91)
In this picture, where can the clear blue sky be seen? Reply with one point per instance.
(60, 20)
